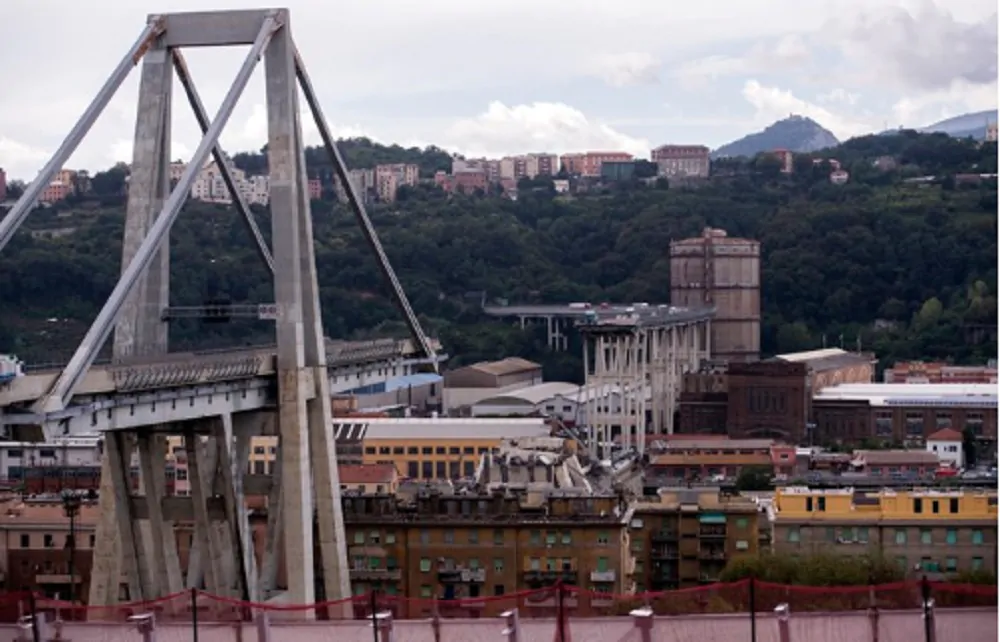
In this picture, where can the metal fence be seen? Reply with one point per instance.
(755, 611)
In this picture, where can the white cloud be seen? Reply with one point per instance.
(552, 127)
(19, 160)
(927, 108)
(773, 103)
(785, 53)
(623, 69)
(839, 95)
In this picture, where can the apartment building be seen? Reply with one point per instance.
(210, 187)
(686, 537)
(937, 372)
(34, 547)
(389, 178)
(786, 158)
(476, 545)
(431, 449)
(363, 181)
(930, 532)
(905, 412)
(686, 161)
(61, 186)
(991, 132)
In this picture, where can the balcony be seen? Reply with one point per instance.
(712, 553)
(602, 576)
(664, 553)
(461, 575)
(712, 532)
(664, 536)
(538, 576)
(373, 574)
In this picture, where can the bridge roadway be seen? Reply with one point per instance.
(134, 393)
(659, 314)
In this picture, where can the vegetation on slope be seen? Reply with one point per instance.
(921, 258)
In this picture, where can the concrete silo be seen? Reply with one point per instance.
(716, 270)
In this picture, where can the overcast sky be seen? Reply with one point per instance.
(521, 75)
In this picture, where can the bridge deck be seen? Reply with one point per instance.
(193, 368)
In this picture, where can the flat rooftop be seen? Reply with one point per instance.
(914, 394)
(410, 428)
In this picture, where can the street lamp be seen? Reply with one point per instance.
(71, 506)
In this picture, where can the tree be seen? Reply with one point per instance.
(754, 478)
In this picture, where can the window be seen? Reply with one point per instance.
(977, 563)
(425, 591)
(809, 504)
(602, 538)
(951, 536)
(901, 562)
(25, 540)
(391, 563)
(426, 450)
(413, 469)
(567, 537)
(742, 522)
(953, 505)
(831, 534)
(425, 536)
(637, 545)
(977, 536)
(602, 564)
(498, 589)
(369, 450)
(48, 541)
(440, 450)
(934, 507)
(425, 564)
(468, 450)
(93, 541)
(373, 563)
(498, 564)
(918, 506)
(929, 565)
(441, 469)
(390, 538)
(412, 450)
(359, 537)
(821, 504)
(449, 536)
(925, 536)
(474, 564)
(550, 538)
(900, 535)
(535, 538)
(534, 564)
(793, 534)
(951, 564)
(397, 450)
(498, 536)
(863, 534)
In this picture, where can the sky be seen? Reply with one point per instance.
(482, 78)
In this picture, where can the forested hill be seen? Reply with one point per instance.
(919, 257)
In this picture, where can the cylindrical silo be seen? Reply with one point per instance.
(716, 270)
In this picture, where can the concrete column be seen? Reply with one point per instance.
(140, 330)
(166, 578)
(784, 631)
(234, 451)
(294, 378)
(106, 569)
(210, 553)
(119, 450)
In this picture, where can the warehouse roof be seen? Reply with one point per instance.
(439, 428)
(535, 394)
(510, 365)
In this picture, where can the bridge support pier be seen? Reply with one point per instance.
(634, 368)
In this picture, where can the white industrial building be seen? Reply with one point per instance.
(947, 445)
(566, 402)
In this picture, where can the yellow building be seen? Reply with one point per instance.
(925, 531)
(431, 448)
